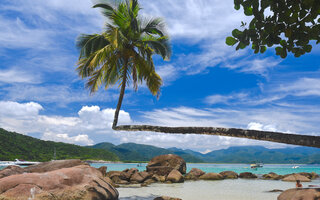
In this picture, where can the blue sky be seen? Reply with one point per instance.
(206, 83)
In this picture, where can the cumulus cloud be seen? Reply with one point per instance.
(19, 110)
(91, 125)
(261, 127)
(78, 139)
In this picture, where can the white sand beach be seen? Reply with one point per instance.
(238, 189)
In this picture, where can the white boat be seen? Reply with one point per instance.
(6, 163)
(295, 167)
(24, 163)
(256, 165)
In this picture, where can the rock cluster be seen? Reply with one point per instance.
(272, 176)
(45, 181)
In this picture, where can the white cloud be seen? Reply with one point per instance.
(17, 110)
(261, 127)
(302, 87)
(17, 76)
(59, 94)
(168, 73)
(255, 66)
(78, 139)
(195, 19)
(15, 34)
(91, 125)
(214, 99)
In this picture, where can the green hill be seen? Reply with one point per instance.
(248, 154)
(14, 145)
(141, 152)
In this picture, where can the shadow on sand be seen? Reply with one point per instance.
(138, 198)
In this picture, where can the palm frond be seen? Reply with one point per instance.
(89, 44)
(108, 9)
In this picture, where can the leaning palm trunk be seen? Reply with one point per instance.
(303, 140)
(123, 87)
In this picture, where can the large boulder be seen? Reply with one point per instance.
(164, 164)
(247, 175)
(211, 176)
(137, 178)
(103, 170)
(127, 173)
(175, 176)
(53, 165)
(272, 176)
(10, 170)
(158, 178)
(80, 182)
(295, 177)
(194, 174)
(300, 194)
(229, 175)
(314, 175)
(311, 175)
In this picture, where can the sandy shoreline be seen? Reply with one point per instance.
(237, 189)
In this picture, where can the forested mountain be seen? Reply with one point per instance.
(249, 154)
(141, 152)
(237, 154)
(14, 145)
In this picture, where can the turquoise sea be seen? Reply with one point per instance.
(276, 168)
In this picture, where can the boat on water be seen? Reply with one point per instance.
(256, 165)
(17, 162)
(295, 167)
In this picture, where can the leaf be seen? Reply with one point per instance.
(231, 41)
(279, 50)
(283, 43)
(241, 46)
(248, 11)
(263, 49)
(308, 48)
(236, 33)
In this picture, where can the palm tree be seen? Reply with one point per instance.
(122, 54)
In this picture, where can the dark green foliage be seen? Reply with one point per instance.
(14, 145)
(141, 152)
(290, 26)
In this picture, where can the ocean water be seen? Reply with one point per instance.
(281, 169)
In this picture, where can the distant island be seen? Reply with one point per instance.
(14, 145)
